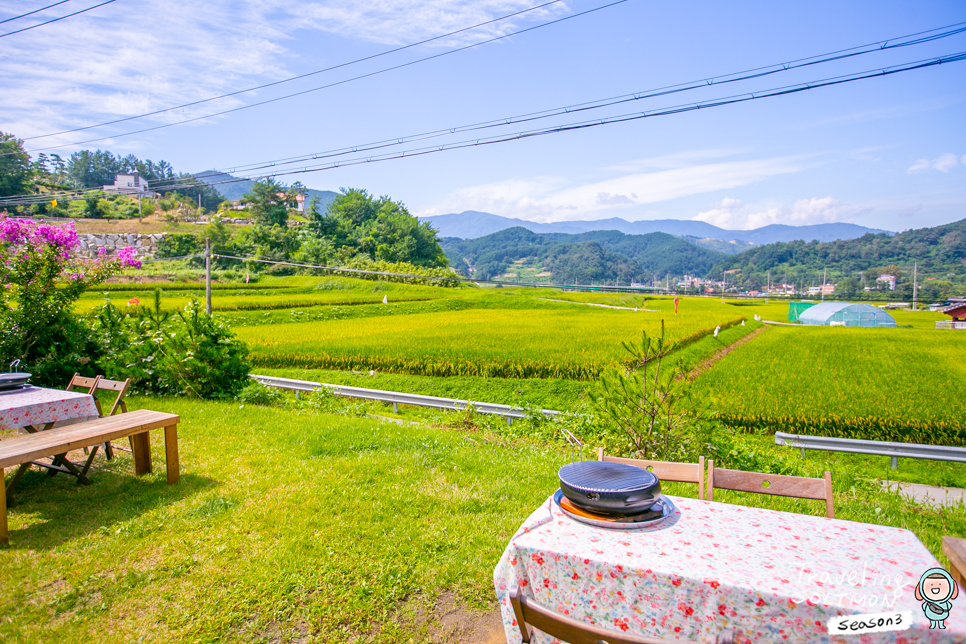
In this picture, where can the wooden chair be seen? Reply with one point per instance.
(80, 383)
(532, 615)
(798, 487)
(119, 386)
(664, 470)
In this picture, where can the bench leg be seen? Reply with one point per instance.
(171, 453)
(141, 444)
(4, 537)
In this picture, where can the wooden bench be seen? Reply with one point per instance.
(22, 450)
(955, 549)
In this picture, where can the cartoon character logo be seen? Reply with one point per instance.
(936, 590)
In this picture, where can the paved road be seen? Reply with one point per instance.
(928, 494)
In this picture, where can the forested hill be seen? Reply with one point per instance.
(939, 251)
(592, 256)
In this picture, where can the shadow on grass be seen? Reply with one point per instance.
(45, 512)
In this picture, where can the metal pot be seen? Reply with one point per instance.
(610, 488)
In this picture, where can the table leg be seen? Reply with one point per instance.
(73, 469)
(4, 537)
(16, 477)
(171, 453)
(141, 445)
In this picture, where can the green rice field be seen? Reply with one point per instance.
(886, 384)
(531, 339)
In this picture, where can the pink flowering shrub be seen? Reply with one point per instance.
(42, 278)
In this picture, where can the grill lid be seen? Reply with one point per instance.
(603, 477)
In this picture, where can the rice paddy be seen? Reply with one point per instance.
(881, 384)
(499, 335)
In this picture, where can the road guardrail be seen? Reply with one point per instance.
(398, 398)
(875, 448)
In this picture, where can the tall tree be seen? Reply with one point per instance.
(268, 202)
(380, 229)
(15, 170)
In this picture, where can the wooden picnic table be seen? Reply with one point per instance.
(37, 408)
(769, 576)
(24, 449)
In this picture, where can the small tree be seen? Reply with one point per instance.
(652, 404)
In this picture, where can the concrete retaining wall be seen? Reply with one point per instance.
(146, 245)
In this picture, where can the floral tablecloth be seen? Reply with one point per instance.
(770, 576)
(39, 406)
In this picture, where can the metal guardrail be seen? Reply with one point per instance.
(876, 448)
(950, 324)
(398, 398)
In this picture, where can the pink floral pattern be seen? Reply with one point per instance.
(38, 406)
(770, 576)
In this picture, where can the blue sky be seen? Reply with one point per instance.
(887, 152)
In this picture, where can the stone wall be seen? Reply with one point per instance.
(146, 245)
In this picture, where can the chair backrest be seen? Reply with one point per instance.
(531, 614)
(664, 470)
(79, 382)
(120, 386)
(799, 487)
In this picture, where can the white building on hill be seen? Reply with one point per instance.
(131, 184)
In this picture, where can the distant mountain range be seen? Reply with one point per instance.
(233, 188)
(472, 224)
(600, 255)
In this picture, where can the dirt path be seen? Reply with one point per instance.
(722, 352)
(606, 306)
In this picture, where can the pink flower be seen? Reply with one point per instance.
(102, 251)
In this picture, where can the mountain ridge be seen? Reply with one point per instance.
(594, 255)
(472, 224)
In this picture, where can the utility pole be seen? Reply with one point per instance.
(199, 203)
(915, 285)
(139, 203)
(824, 280)
(208, 275)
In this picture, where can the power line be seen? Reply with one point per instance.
(41, 24)
(425, 277)
(592, 105)
(341, 82)
(678, 109)
(758, 72)
(30, 13)
(728, 100)
(294, 78)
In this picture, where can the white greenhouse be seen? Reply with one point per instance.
(846, 314)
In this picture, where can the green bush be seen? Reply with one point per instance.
(179, 245)
(189, 353)
(255, 393)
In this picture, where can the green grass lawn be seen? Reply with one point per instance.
(298, 526)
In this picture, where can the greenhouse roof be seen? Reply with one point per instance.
(846, 314)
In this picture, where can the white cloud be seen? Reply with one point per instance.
(554, 199)
(129, 58)
(734, 215)
(943, 163)
(405, 21)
